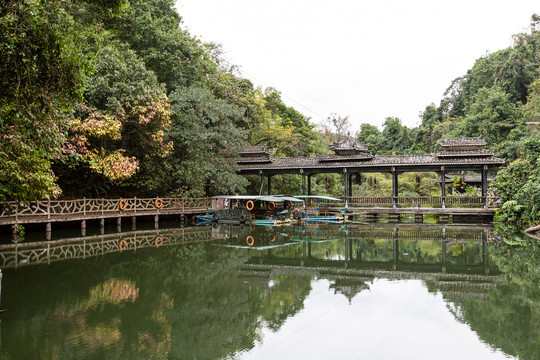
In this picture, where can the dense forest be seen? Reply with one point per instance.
(115, 98)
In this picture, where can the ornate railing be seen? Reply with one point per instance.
(419, 201)
(49, 209)
(46, 252)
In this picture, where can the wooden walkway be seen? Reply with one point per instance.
(87, 209)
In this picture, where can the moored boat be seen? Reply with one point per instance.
(317, 208)
(257, 210)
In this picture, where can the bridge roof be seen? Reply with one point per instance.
(377, 162)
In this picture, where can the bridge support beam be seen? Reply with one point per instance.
(394, 187)
(346, 176)
(484, 185)
(261, 191)
(443, 186)
(303, 181)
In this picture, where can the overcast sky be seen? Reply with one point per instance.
(364, 59)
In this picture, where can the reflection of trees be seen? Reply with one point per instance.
(509, 318)
(180, 302)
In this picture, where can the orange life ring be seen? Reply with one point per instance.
(159, 241)
(158, 203)
(271, 237)
(122, 204)
(122, 245)
(250, 241)
(271, 205)
(250, 205)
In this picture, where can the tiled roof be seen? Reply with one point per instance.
(376, 161)
(348, 143)
(256, 149)
(464, 141)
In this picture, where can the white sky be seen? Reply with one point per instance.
(391, 320)
(364, 59)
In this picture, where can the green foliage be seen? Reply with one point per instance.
(41, 77)
(206, 141)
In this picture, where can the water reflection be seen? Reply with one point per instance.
(245, 292)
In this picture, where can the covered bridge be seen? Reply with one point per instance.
(351, 158)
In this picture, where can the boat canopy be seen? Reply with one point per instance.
(254, 197)
(317, 197)
(289, 198)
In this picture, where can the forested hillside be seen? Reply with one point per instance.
(115, 98)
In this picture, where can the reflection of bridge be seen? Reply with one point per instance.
(351, 281)
(449, 232)
(45, 252)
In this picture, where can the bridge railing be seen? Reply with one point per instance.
(419, 201)
(104, 207)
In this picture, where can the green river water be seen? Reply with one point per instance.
(361, 291)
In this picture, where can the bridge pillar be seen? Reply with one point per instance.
(346, 176)
(156, 222)
(484, 185)
(83, 228)
(134, 223)
(102, 226)
(261, 191)
(303, 181)
(394, 187)
(119, 224)
(443, 186)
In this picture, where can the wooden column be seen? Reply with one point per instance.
(261, 191)
(309, 184)
(358, 178)
(484, 184)
(346, 176)
(350, 184)
(269, 184)
(443, 186)
(394, 187)
(303, 181)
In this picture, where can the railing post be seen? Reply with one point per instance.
(84, 206)
(135, 202)
(49, 209)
